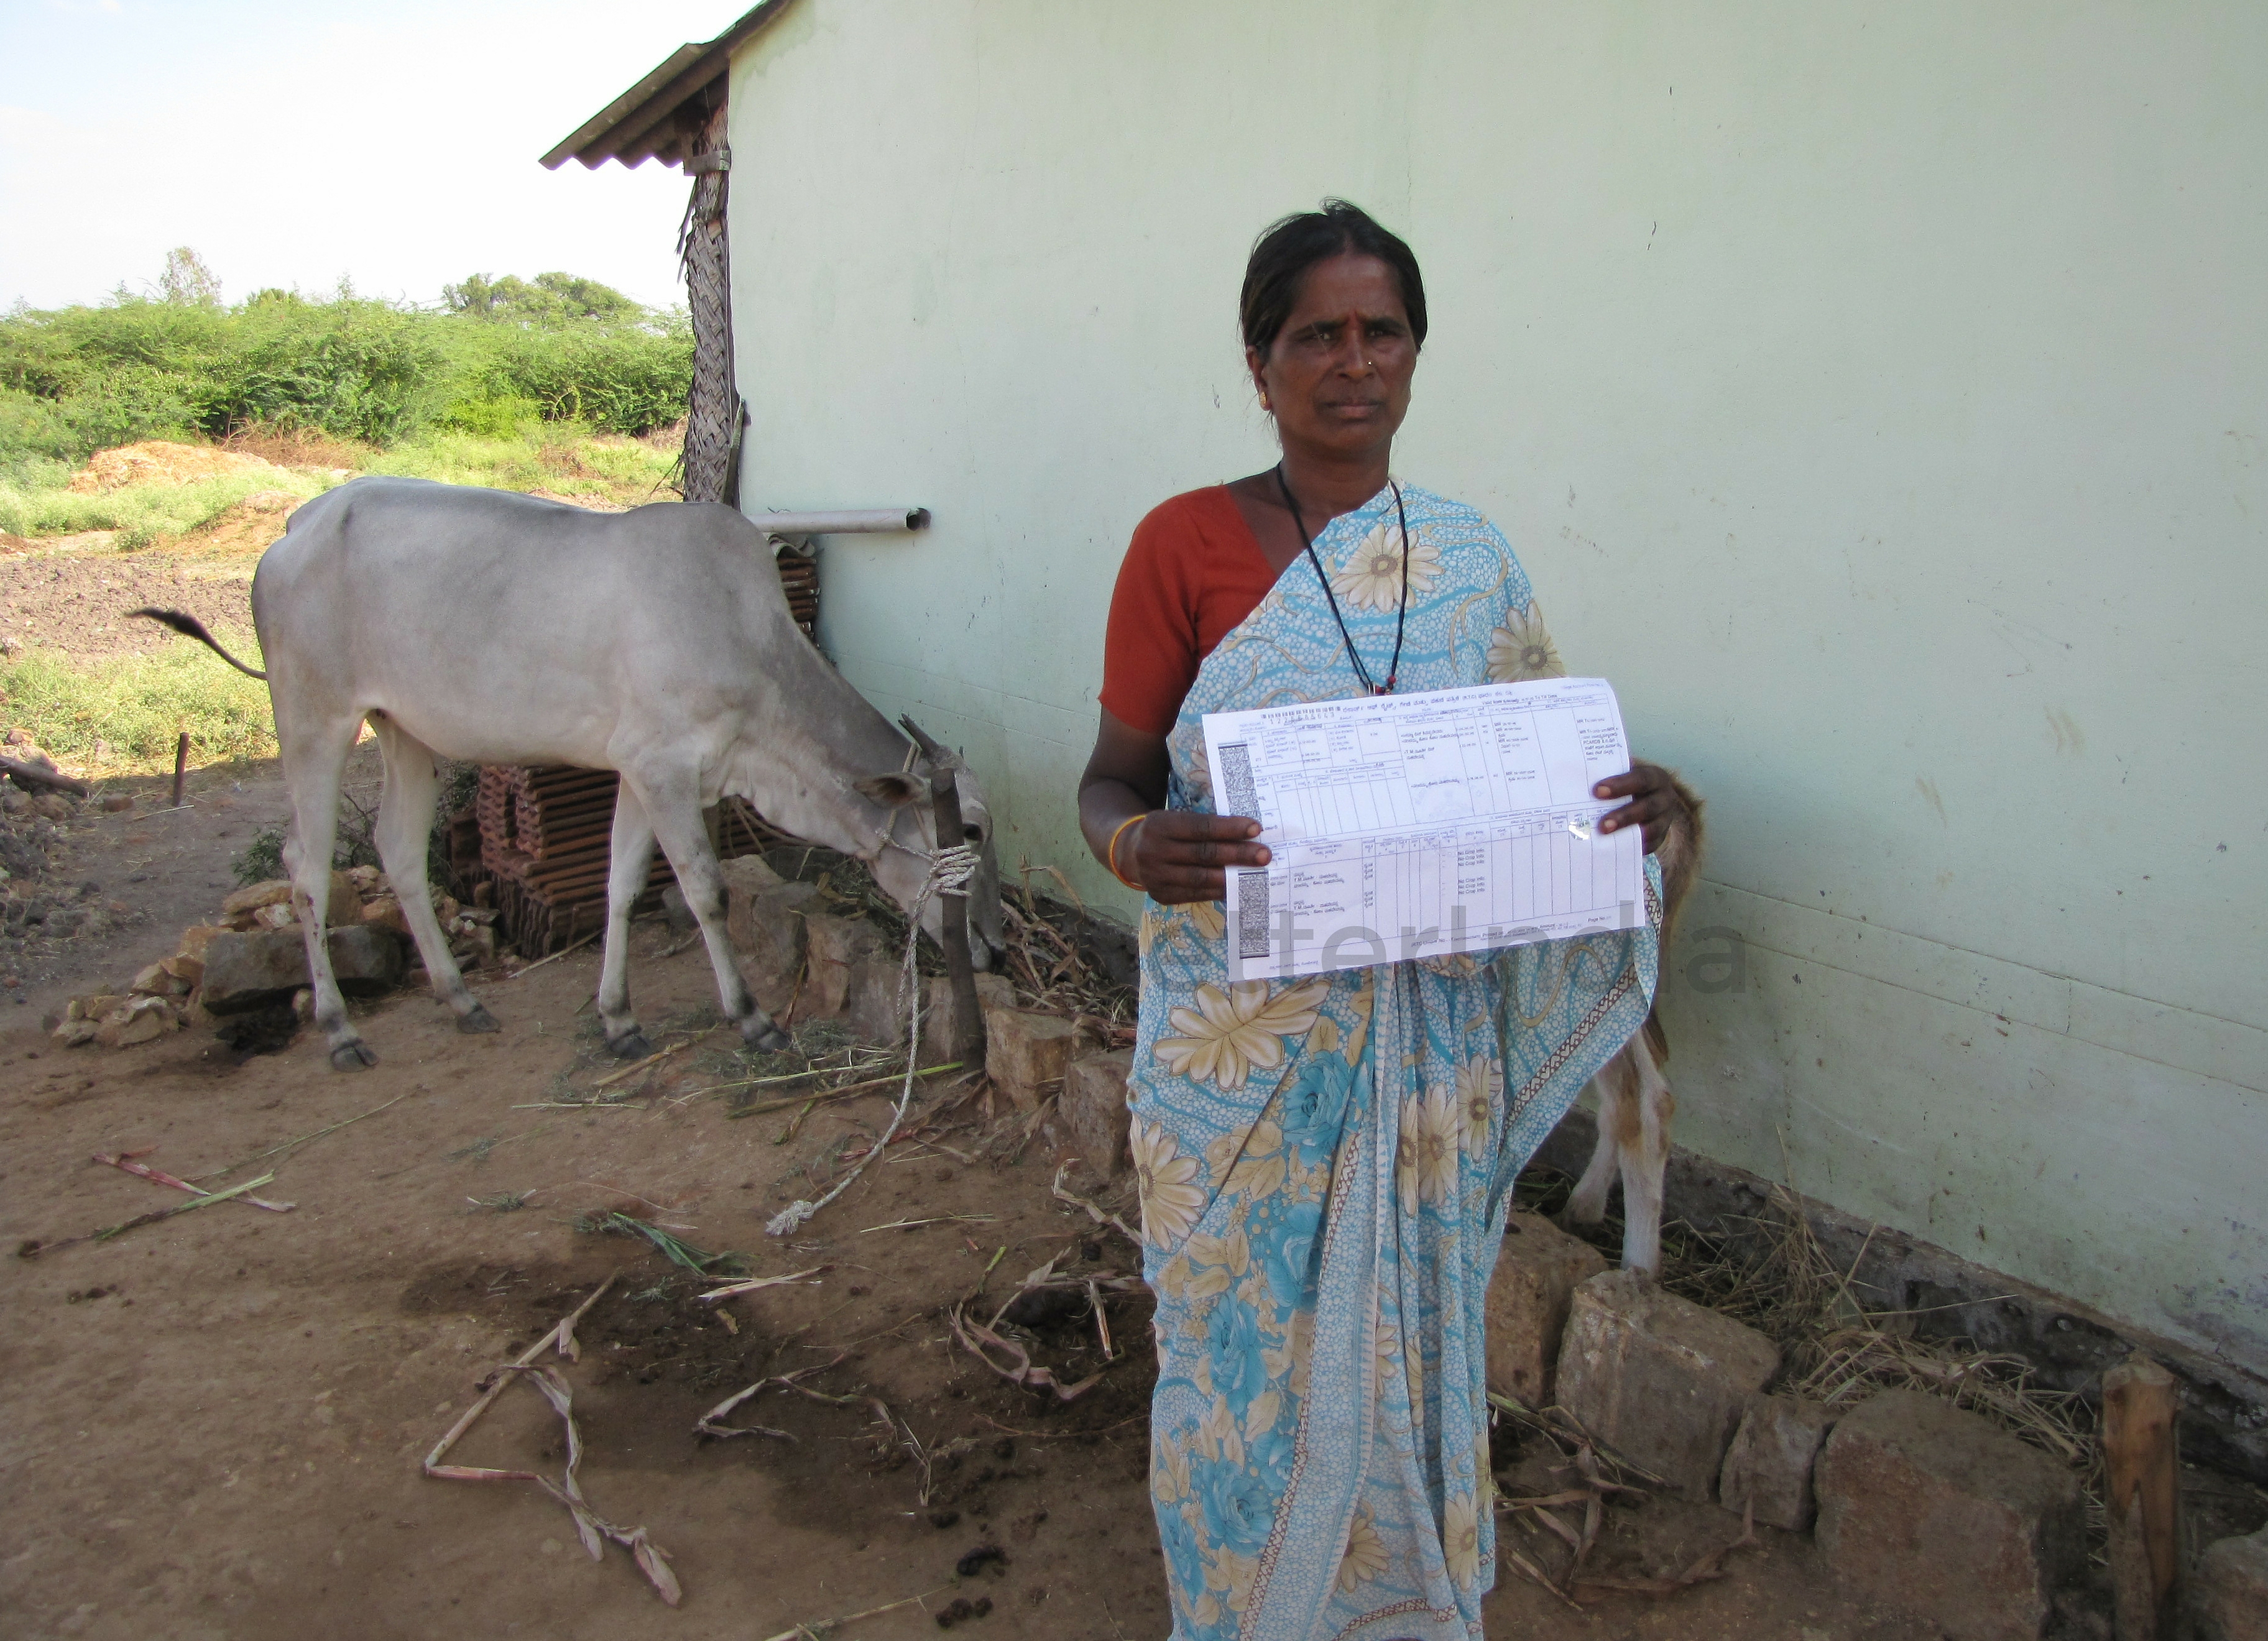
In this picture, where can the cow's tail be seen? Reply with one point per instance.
(190, 627)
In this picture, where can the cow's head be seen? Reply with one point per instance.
(900, 871)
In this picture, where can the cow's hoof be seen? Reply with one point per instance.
(771, 1040)
(631, 1045)
(477, 1020)
(353, 1056)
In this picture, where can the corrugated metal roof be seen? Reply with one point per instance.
(658, 116)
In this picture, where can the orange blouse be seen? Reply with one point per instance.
(1192, 572)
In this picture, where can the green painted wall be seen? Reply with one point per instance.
(1877, 393)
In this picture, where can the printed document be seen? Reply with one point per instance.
(1452, 821)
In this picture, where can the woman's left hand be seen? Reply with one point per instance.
(1653, 802)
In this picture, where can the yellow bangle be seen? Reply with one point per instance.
(1110, 853)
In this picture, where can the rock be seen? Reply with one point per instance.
(383, 911)
(1768, 1468)
(1659, 1379)
(1538, 1271)
(253, 896)
(367, 961)
(75, 1034)
(93, 1006)
(144, 1019)
(766, 927)
(366, 880)
(195, 940)
(1932, 1509)
(676, 913)
(302, 1005)
(248, 971)
(2228, 1598)
(835, 948)
(51, 806)
(873, 1009)
(117, 803)
(156, 981)
(187, 970)
(1094, 1110)
(938, 1048)
(344, 902)
(475, 946)
(1027, 1055)
(748, 874)
(279, 915)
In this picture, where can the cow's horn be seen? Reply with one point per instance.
(940, 757)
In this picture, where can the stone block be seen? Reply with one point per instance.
(1095, 1111)
(1768, 1468)
(1932, 1509)
(277, 891)
(834, 951)
(766, 927)
(144, 1019)
(2229, 1597)
(187, 970)
(748, 875)
(1659, 1379)
(872, 1008)
(159, 981)
(384, 911)
(1538, 1269)
(1027, 1055)
(249, 970)
(938, 1046)
(193, 940)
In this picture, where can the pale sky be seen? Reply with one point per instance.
(291, 142)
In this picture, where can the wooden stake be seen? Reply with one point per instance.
(180, 766)
(967, 1042)
(2142, 1457)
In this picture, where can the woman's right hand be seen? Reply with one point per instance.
(1179, 855)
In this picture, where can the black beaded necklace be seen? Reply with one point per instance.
(1401, 616)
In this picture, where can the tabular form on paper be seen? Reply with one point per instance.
(1423, 825)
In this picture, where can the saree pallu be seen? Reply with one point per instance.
(1325, 1164)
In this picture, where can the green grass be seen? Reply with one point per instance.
(46, 505)
(567, 459)
(136, 705)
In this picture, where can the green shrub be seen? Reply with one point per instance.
(504, 352)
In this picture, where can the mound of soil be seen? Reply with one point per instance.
(160, 461)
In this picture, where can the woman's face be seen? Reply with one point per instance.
(1337, 377)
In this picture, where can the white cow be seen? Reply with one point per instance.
(498, 628)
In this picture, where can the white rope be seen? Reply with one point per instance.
(948, 870)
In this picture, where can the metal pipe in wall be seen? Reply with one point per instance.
(846, 521)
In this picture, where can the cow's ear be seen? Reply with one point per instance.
(892, 791)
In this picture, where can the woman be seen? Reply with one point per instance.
(1325, 1164)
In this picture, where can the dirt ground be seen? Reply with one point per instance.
(211, 1425)
(77, 601)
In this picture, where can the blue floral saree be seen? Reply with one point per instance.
(1325, 1164)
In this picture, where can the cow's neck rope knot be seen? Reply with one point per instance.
(949, 870)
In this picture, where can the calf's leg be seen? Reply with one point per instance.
(676, 821)
(1616, 1088)
(405, 823)
(630, 857)
(1645, 1150)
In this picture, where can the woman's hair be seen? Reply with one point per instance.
(1282, 256)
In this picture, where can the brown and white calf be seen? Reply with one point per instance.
(1635, 1104)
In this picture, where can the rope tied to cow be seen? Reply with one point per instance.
(949, 871)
